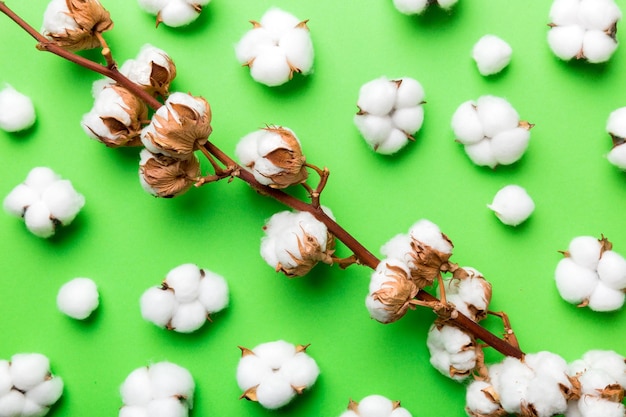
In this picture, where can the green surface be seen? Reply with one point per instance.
(127, 241)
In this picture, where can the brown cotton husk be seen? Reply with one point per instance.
(429, 263)
(289, 159)
(161, 78)
(91, 17)
(121, 133)
(574, 391)
(310, 253)
(183, 131)
(396, 295)
(613, 392)
(169, 177)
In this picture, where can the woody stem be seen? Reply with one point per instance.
(361, 253)
(106, 51)
(509, 334)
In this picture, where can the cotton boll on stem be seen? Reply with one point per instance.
(512, 205)
(78, 298)
(492, 54)
(17, 111)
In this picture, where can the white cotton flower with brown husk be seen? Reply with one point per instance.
(274, 156)
(76, 24)
(616, 127)
(491, 131)
(17, 111)
(391, 291)
(482, 401)
(179, 127)
(375, 406)
(390, 113)
(492, 54)
(411, 7)
(425, 250)
(512, 205)
(27, 388)
(166, 177)
(117, 116)
(538, 385)
(469, 292)
(44, 201)
(295, 242)
(584, 29)
(186, 299)
(452, 351)
(592, 274)
(161, 389)
(174, 13)
(152, 69)
(273, 373)
(277, 46)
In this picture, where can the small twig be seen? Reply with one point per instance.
(106, 51)
(509, 334)
(346, 262)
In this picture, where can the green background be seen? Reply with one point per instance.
(127, 241)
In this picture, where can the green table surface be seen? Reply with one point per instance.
(127, 241)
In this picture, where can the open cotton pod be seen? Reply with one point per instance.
(512, 205)
(16, 110)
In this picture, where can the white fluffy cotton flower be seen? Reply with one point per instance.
(174, 13)
(452, 351)
(45, 201)
(78, 298)
(512, 205)
(274, 156)
(584, 29)
(161, 389)
(27, 388)
(277, 46)
(17, 111)
(491, 131)
(390, 113)
(295, 242)
(616, 127)
(492, 54)
(411, 7)
(592, 274)
(375, 406)
(273, 373)
(186, 299)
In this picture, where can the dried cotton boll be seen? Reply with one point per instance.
(452, 351)
(512, 205)
(274, 372)
(491, 54)
(276, 47)
(166, 177)
(78, 298)
(152, 69)
(480, 400)
(17, 111)
(391, 291)
(470, 295)
(75, 24)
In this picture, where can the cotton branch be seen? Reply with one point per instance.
(361, 254)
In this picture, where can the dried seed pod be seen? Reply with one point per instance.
(163, 176)
(152, 69)
(391, 291)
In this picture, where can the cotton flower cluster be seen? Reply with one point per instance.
(410, 7)
(491, 131)
(602, 378)
(295, 242)
(276, 47)
(616, 127)
(16, 110)
(162, 389)
(390, 113)
(375, 406)
(76, 24)
(78, 298)
(538, 385)
(491, 54)
(512, 205)
(177, 129)
(117, 116)
(273, 373)
(469, 292)
(174, 13)
(186, 298)
(274, 156)
(45, 201)
(592, 274)
(584, 29)
(27, 388)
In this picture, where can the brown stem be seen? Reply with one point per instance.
(361, 253)
(106, 51)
